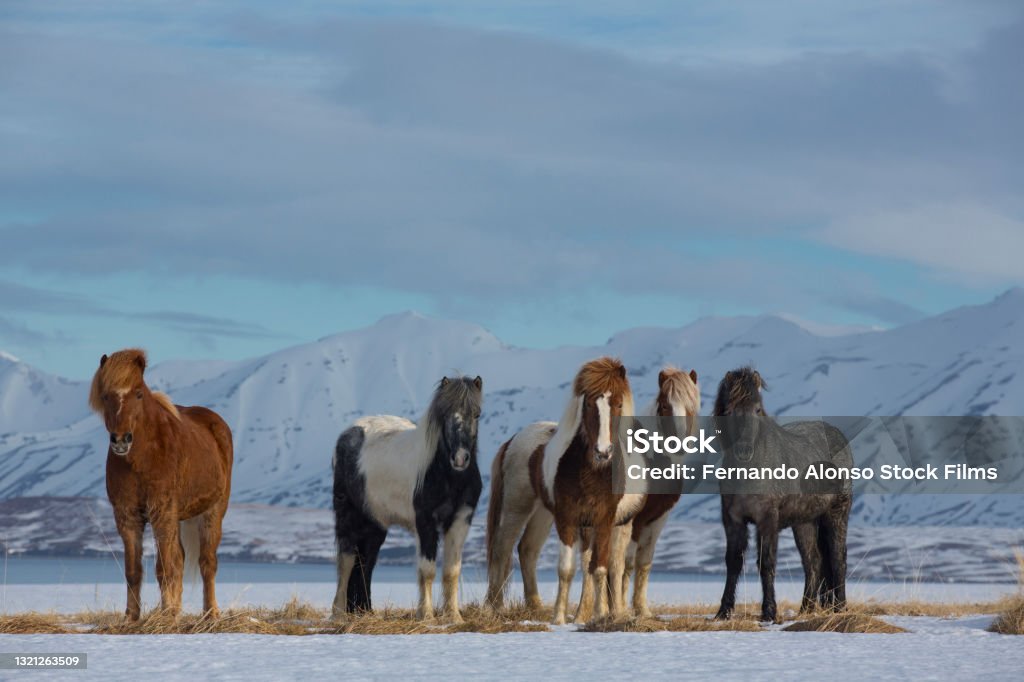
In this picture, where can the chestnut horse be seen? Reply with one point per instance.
(678, 397)
(169, 466)
(561, 473)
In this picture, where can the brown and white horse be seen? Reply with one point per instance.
(561, 473)
(169, 466)
(634, 542)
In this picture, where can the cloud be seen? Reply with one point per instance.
(484, 165)
(17, 298)
(20, 335)
(972, 242)
(880, 308)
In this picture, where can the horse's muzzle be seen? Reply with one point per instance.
(742, 452)
(121, 446)
(460, 460)
(602, 456)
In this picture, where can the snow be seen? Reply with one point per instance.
(955, 648)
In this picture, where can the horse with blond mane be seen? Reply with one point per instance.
(561, 473)
(168, 466)
(677, 407)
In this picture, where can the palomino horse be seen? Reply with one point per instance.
(169, 466)
(819, 518)
(678, 397)
(389, 471)
(561, 473)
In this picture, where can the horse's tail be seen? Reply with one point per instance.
(189, 532)
(497, 497)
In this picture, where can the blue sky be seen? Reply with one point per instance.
(224, 179)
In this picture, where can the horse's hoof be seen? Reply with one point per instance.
(558, 620)
(769, 617)
(534, 604)
(723, 614)
(456, 618)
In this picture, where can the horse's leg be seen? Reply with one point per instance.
(735, 546)
(454, 539)
(346, 561)
(644, 549)
(629, 568)
(537, 530)
(427, 537)
(767, 549)
(209, 540)
(617, 567)
(566, 568)
(603, 530)
(806, 537)
(169, 559)
(361, 582)
(835, 525)
(499, 560)
(130, 526)
(585, 609)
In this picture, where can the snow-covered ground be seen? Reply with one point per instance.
(935, 648)
(955, 649)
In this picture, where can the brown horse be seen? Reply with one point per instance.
(561, 473)
(678, 397)
(169, 466)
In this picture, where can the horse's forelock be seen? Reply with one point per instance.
(678, 387)
(738, 388)
(121, 371)
(603, 375)
(453, 395)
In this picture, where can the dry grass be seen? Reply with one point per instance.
(911, 607)
(848, 622)
(679, 624)
(1010, 620)
(297, 617)
(32, 624)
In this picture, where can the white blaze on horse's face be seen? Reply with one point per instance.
(604, 433)
(460, 459)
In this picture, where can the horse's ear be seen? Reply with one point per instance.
(662, 375)
(140, 360)
(103, 360)
(693, 375)
(622, 371)
(478, 382)
(444, 381)
(728, 375)
(758, 381)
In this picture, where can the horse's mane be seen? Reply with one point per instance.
(738, 387)
(594, 378)
(679, 387)
(166, 403)
(120, 372)
(453, 394)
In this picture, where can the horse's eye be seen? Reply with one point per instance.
(138, 395)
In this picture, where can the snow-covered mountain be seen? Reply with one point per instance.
(287, 408)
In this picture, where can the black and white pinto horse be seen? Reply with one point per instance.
(424, 477)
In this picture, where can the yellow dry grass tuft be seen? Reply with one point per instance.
(847, 622)
(32, 624)
(679, 624)
(1010, 620)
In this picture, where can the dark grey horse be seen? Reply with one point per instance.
(818, 511)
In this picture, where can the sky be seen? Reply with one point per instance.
(220, 180)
